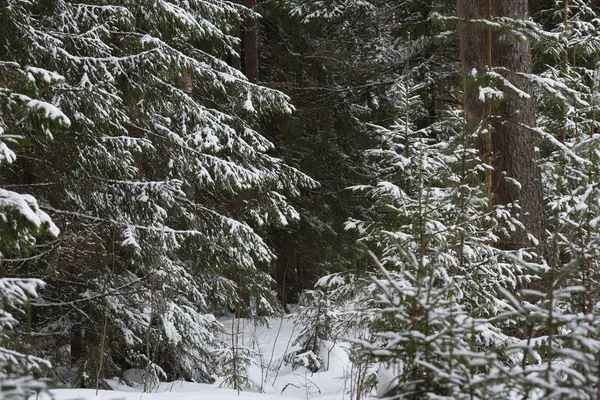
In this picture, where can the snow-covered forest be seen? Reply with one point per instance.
(282, 199)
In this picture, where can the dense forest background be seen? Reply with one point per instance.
(420, 176)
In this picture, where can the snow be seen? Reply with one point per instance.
(26, 206)
(48, 110)
(6, 154)
(248, 104)
(522, 94)
(385, 380)
(45, 75)
(489, 92)
(175, 390)
(274, 341)
(278, 381)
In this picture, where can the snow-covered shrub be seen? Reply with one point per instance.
(438, 324)
(236, 361)
(313, 316)
(327, 316)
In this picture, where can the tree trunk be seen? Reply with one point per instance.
(512, 145)
(250, 45)
(535, 6)
(235, 61)
(186, 84)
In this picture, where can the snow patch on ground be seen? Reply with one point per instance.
(179, 391)
(278, 381)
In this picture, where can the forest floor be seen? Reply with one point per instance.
(271, 378)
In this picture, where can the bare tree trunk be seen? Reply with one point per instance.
(235, 61)
(186, 84)
(512, 145)
(250, 45)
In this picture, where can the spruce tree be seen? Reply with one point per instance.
(161, 187)
(26, 114)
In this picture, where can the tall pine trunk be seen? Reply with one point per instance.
(512, 145)
(250, 45)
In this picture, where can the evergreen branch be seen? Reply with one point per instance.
(113, 292)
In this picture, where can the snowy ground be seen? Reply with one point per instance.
(279, 383)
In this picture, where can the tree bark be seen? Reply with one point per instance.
(250, 45)
(512, 144)
(186, 84)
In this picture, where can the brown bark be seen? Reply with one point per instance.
(250, 45)
(186, 84)
(512, 144)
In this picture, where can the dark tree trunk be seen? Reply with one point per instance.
(235, 61)
(250, 45)
(535, 6)
(185, 83)
(512, 145)
(78, 349)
